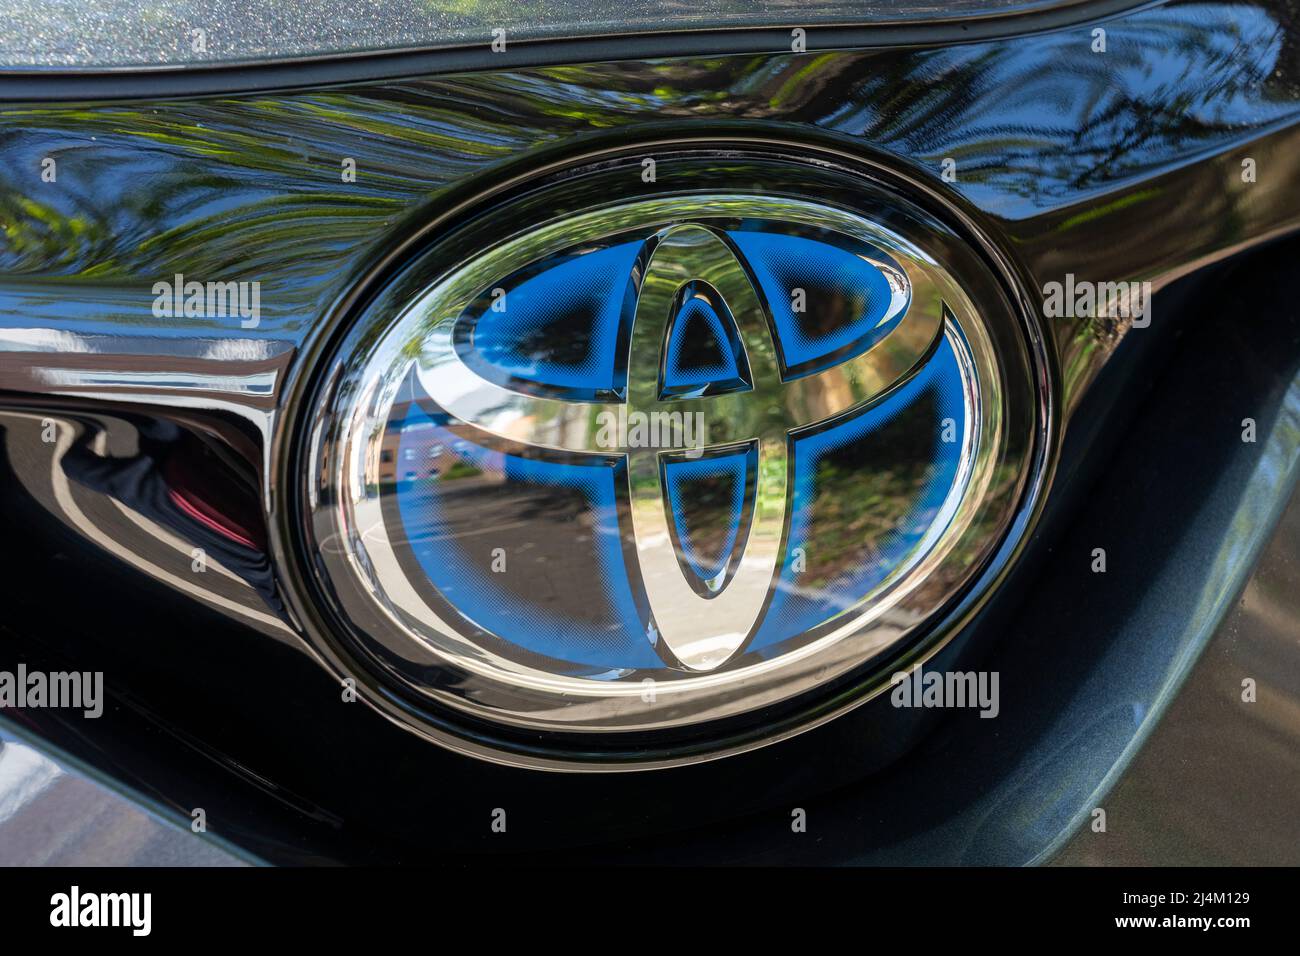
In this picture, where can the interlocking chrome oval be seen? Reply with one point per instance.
(692, 630)
(629, 619)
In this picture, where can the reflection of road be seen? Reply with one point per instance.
(1216, 782)
(547, 534)
(54, 815)
(468, 529)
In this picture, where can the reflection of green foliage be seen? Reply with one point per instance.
(250, 187)
(1102, 210)
(484, 11)
(856, 511)
(37, 231)
(460, 469)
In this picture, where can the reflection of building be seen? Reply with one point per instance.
(391, 465)
(404, 455)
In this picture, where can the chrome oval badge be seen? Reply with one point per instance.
(661, 463)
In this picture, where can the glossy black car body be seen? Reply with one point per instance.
(1123, 165)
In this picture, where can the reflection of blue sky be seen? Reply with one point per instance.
(1044, 121)
(1047, 124)
(35, 317)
